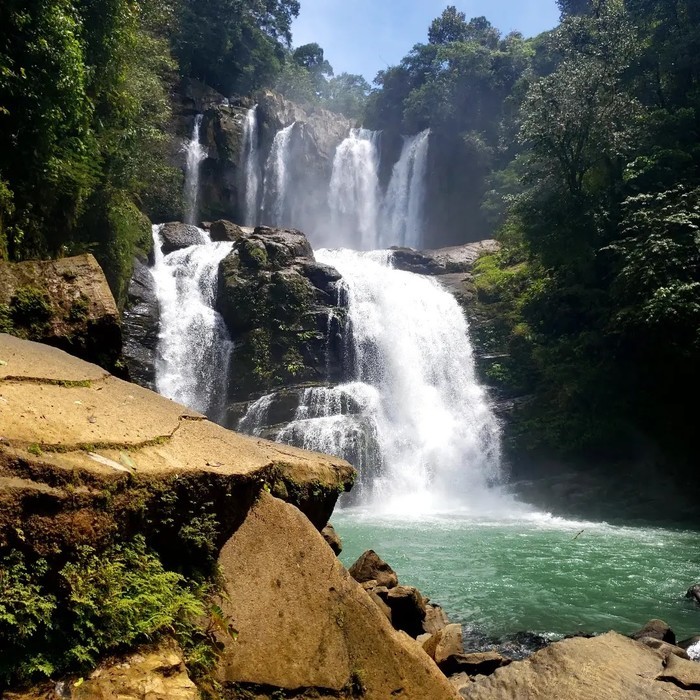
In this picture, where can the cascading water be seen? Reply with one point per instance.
(354, 196)
(276, 178)
(194, 347)
(251, 158)
(195, 153)
(404, 203)
(415, 422)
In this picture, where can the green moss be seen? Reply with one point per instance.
(63, 617)
(79, 309)
(253, 255)
(28, 313)
(5, 319)
(123, 231)
(35, 450)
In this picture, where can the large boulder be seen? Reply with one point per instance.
(140, 327)
(608, 667)
(287, 329)
(176, 236)
(225, 231)
(89, 462)
(66, 303)
(304, 623)
(371, 567)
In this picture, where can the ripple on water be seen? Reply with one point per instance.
(535, 572)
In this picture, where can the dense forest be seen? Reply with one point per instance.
(578, 149)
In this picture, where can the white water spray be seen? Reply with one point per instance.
(415, 422)
(251, 159)
(195, 153)
(404, 204)
(276, 180)
(354, 196)
(194, 347)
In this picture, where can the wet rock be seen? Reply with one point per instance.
(323, 277)
(198, 97)
(288, 332)
(140, 327)
(225, 231)
(687, 643)
(656, 629)
(176, 236)
(333, 539)
(694, 593)
(416, 261)
(371, 567)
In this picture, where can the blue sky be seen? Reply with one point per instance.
(364, 36)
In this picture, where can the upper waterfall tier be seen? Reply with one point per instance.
(195, 153)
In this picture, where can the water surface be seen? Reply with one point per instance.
(536, 573)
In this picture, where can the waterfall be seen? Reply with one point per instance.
(195, 153)
(354, 195)
(251, 159)
(405, 196)
(276, 177)
(415, 420)
(194, 348)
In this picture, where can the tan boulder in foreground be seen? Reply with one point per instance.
(304, 622)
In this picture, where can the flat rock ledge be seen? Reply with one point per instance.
(74, 440)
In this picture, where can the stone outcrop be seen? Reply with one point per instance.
(140, 327)
(305, 626)
(609, 667)
(66, 303)
(442, 261)
(694, 593)
(152, 673)
(280, 305)
(175, 236)
(73, 436)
